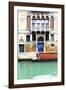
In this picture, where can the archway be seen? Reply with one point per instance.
(40, 44)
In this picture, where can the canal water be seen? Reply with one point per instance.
(31, 69)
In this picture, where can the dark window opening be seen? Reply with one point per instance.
(38, 32)
(42, 18)
(33, 32)
(47, 36)
(47, 17)
(33, 36)
(47, 24)
(40, 39)
(21, 47)
(38, 18)
(27, 37)
(33, 18)
(42, 32)
(52, 45)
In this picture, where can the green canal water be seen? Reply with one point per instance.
(30, 69)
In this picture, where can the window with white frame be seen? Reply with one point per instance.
(21, 48)
(52, 37)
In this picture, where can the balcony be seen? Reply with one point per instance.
(40, 29)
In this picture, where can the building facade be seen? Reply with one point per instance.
(37, 34)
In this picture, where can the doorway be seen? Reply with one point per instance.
(40, 44)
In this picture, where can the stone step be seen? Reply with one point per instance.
(27, 55)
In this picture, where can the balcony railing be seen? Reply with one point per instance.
(40, 29)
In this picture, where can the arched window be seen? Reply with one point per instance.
(52, 22)
(38, 17)
(33, 18)
(47, 22)
(40, 39)
(42, 24)
(28, 22)
(47, 18)
(33, 22)
(42, 18)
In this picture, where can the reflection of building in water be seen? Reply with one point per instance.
(37, 33)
